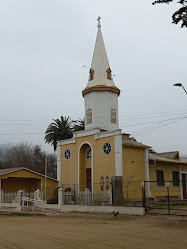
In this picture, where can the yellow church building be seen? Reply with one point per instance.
(92, 156)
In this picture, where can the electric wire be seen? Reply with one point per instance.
(158, 121)
(150, 129)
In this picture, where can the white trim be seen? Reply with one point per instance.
(79, 164)
(59, 167)
(97, 132)
(109, 134)
(66, 141)
(29, 171)
(86, 133)
(118, 154)
(180, 183)
(185, 173)
(147, 184)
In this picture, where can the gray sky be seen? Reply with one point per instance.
(44, 45)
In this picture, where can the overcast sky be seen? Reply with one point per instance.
(45, 43)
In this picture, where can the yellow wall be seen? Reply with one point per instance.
(103, 164)
(28, 181)
(133, 171)
(161, 191)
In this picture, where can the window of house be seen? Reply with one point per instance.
(67, 154)
(113, 116)
(109, 74)
(175, 178)
(160, 177)
(91, 74)
(89, 153)
(107, 148)
(89, 116)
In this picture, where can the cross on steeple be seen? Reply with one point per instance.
(99, 23)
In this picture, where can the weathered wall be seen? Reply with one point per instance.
(133, 170)
(168, 168)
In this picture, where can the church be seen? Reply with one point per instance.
(92, 156)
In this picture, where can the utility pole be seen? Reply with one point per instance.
(45, 174)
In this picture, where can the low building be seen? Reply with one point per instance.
(169, 167)
(15, 179)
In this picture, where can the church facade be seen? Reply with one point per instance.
(93, 156)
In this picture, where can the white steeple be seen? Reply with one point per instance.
(100, 63)
(101, 94)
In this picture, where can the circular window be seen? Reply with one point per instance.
(89, 153)
(67, 154)
(107, 148)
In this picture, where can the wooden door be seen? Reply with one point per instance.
(184, 183)
(88, 178)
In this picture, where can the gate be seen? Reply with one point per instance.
(165, 201)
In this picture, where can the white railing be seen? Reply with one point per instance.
(34, 202)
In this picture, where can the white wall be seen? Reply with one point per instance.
(101, 102)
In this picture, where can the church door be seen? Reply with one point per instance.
(88, 178)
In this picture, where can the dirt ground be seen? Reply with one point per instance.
(92, 231)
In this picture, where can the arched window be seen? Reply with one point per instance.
(91, 74)
(109, 74)
(113, 116)
(89, 116)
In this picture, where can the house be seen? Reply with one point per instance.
(15, 179)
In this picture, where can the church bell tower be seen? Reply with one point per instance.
(101, 94)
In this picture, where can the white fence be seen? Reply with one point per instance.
(86, 198)
(10, 197)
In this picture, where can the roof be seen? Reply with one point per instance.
(100, 64)
(11, 170)
(156, 157)
(131, 143)
(7, 171)
(183, 159)
(171, 155)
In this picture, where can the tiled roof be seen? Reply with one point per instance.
(131, 143)
(155, 157)
(9, 170)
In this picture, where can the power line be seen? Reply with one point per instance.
(159, 121)
(155, 113)
(23, 124)
(10, 134)
(154, 116)
(23, 120)
(150, 129)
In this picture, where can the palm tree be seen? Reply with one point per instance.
(79, 125)
(60, 129)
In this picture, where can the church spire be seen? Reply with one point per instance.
(101, 94)
(100, 72)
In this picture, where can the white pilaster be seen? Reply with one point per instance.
(118, 155)
(180, 183)
(147, 179)
(59, 165)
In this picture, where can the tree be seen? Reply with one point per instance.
(60, 129)
(29, 156)
(79, 125)
(180, 15)
(128, 180)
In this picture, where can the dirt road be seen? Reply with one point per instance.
(92, 231)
